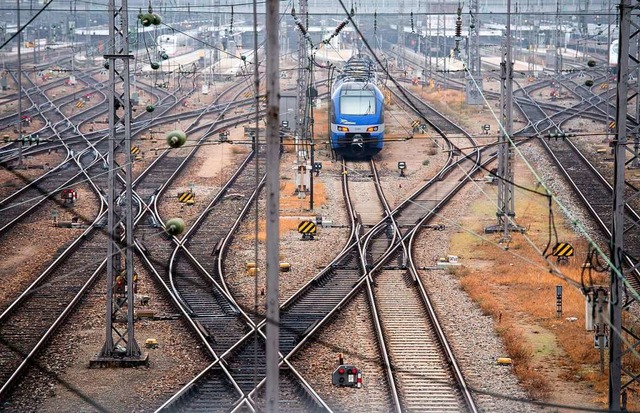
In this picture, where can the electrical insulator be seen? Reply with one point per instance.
(375, 21)
(412, 29)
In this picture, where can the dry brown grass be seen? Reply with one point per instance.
(291, 204)
(238, 150)
(286, 225)
(519, 293)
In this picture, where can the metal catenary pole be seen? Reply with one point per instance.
(19, 86)
(301, 86)
(120, 275)
(627, 65)
(506, 201)
(273, 202)
(505, 173)
(474, 83)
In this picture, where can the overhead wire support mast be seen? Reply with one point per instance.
(474, 75)
(506, 202)
(120, 347)
(273, 207)
(619, 298)
(303, 37)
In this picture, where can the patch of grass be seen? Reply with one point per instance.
(518, 292)
(238, 149)
(290, 203)
(286, 225)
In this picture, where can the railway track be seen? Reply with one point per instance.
(589, 185)
(408, 334)
(237, 369)
(301, 316)
(61, 282)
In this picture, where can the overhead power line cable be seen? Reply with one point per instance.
(35, 16)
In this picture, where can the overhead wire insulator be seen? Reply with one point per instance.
(458, 35)
(300, 26)
(231, 24)
(336, 31)
(412, 28)
(375, 22)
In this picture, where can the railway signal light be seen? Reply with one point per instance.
(402, 166)
(347, 376)
(120, 283)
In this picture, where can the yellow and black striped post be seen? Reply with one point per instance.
(186, 197)
(562, 250)
(307, 229)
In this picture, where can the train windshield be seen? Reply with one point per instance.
(358, 101)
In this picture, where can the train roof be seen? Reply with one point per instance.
(359, 68)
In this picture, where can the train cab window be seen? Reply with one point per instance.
(358, 102)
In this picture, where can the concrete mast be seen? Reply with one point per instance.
(273, 203)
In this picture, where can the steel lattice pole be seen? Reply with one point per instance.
(617, 231)
(506, 202)
(120, 299)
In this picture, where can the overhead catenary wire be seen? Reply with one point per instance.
(576, 223)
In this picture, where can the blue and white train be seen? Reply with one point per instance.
(357, 110)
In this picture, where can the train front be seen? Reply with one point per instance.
(357, 119)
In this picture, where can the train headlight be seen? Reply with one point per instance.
(343, 129)
(372, 128)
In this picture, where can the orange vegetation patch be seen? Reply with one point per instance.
(515, 287)
(286, 225)
(290, 203)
